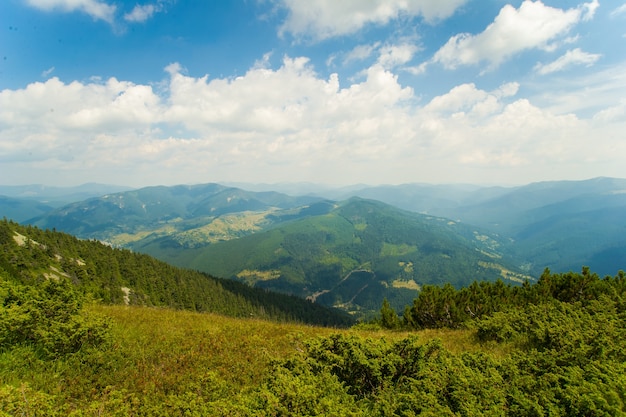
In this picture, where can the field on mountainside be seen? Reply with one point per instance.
(565, 356)
(166, 362)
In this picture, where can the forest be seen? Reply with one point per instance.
(119, 276)
(72, 344)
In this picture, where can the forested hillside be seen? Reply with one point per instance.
(30, 256)
(555, 224)
(351, 255)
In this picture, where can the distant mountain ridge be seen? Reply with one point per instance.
(42, 192)
(24, 202)
(161, 210)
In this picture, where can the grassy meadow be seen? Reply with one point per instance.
(169, 362)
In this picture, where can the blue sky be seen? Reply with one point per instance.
(336, 92)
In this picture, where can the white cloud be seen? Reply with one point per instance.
(589, 10)
(393, 55)
(507, 90)
(140, 13)
(585, 94)
(571, 57)
(47, 72)
(612, 114)
(291, 124)
(97, 9)
(531, 26)
(619, 10)
(361, 52)
(389, 55)
(322, 19)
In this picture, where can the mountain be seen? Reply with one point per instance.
(125, 217)
(58, 196)
(23, 202)
(350, 254)
(21, 209)
(561, 225)
(30, 256)
(556, 224)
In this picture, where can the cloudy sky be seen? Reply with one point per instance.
(146, 92)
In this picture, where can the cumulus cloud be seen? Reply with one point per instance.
(289, 123)
(467, 99)
(99, 10)
(589, 10)
(612, 114)
(571, 57)
(323, 19)
(389, 55)
(531, 26)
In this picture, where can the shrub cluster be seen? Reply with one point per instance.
(48, 317)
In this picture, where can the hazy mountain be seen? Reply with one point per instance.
(352, 255)
(557, 224)
(23, 202)
(562, 225)
(124, 217)
(20, 209)
(57, 196)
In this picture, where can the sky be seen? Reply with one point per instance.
(337, 92)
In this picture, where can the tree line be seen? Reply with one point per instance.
(31, 256)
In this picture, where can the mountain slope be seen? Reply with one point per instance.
(352, 257)
(23, 202)
(30, 255)
(557, 224)
(158, 211)
(21, 209)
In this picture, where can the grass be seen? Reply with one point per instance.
(161, 354)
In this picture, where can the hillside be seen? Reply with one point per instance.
(557, 348)
(554, 224)
(351, 256)
(30, 255)
(24, 202)
(21, 209)
(122, 218)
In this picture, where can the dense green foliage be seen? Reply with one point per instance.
(48, 318)
(562, 352)
(31, 256)
(447, 307)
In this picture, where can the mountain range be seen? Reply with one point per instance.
(352, 252)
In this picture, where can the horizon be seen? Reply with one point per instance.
(265, 92)
(262, 186)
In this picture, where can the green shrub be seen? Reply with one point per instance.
(48, 317)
